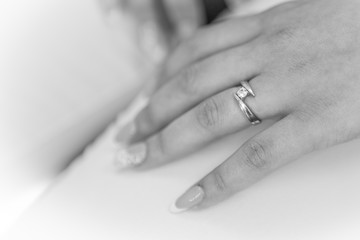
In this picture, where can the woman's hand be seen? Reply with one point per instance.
(301, 59)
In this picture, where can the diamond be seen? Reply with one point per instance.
(242, 92)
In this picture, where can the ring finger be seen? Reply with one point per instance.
(215, 117)
(195, 84)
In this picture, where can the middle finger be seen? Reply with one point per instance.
(213, 118)
(196, 83)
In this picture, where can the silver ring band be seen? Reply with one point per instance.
(243, 92)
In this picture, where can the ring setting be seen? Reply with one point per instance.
(242, 93)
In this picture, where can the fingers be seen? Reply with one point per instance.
(195, 84)
(213, 118)
(212, 39)
(286, 140)
(186, 15)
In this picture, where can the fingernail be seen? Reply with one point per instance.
(130, 157)
(126, 133)
(189, 199)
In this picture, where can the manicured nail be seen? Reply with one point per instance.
(126, 133)
(189, 199)
(130, 157)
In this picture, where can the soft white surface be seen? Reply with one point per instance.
(65, 72)
(315, 197)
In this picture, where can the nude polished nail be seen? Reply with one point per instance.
(188, 200)
(132, 156)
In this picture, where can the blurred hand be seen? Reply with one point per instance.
(171, 17)
(158, 27)
(302, 61)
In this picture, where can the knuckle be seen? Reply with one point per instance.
(312, 114)
(208, 115)
(300, 64)
(219, 181)
(303, 116)
(283, 37)
(257, 155)
(312, 110)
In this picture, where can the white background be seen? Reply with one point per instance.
(51, 49)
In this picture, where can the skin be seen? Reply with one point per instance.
(301, 59)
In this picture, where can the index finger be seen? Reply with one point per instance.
(269, 150)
